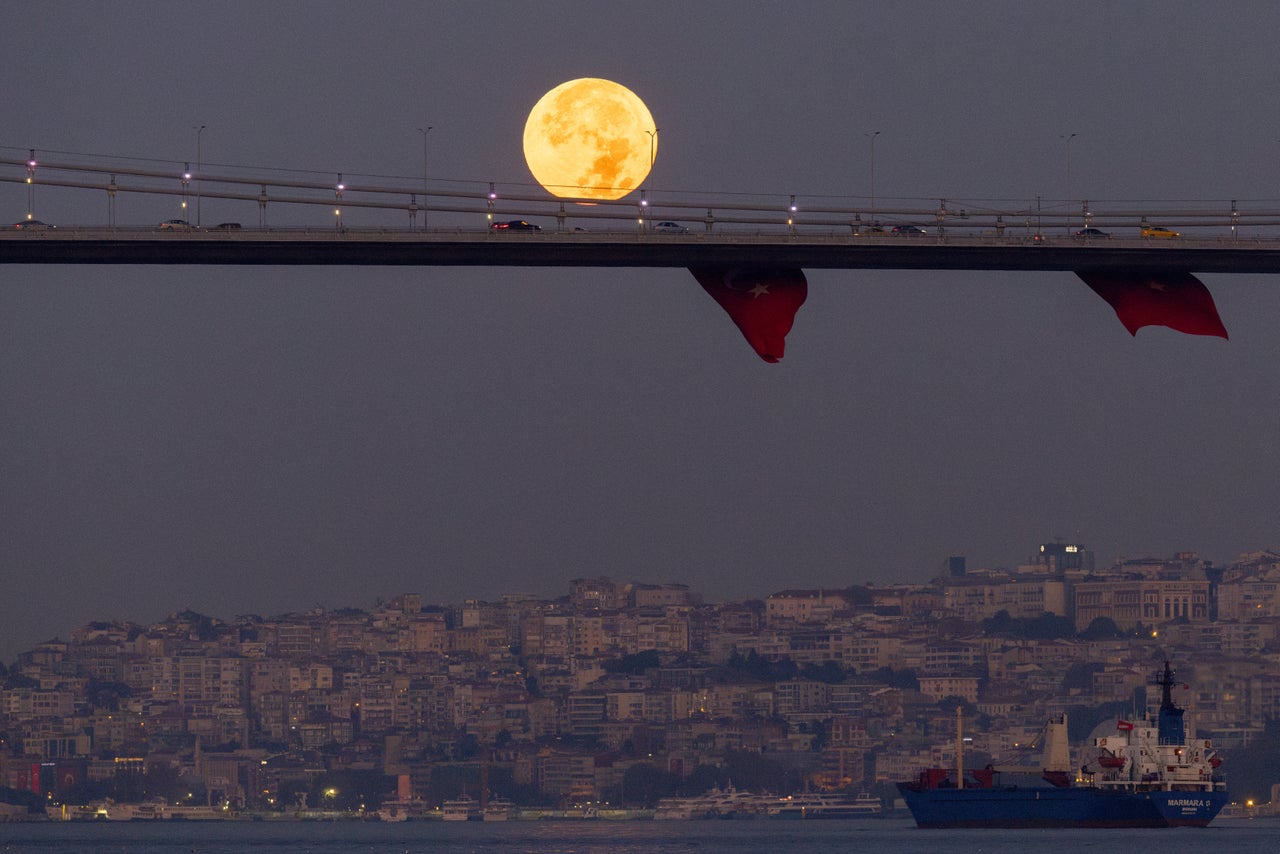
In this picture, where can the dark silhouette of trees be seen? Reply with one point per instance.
(760, 669)
(646, 783)
(1102, 628)
(828, 671)
(1079, 676)
(1044, 627)
(1252, 772)
(904, 679)
(635, 664)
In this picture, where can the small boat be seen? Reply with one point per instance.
(811, 805)
(462, 808)
(499, 809)
(714, 803)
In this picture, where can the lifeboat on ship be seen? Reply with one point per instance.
(1110, 760)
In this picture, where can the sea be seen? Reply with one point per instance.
(874, 836)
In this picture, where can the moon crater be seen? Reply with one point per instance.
(590, 139)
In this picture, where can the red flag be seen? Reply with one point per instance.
(1179, 301)
(762, 301)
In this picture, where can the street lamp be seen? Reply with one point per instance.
(1068, 138)
(872, 136)
(31, 186)
(653, 146)
(644, 202)
(424, 131)
(199, 130)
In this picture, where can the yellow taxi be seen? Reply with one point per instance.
(1158, 231)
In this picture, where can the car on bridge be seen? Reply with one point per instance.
(909, 230)
(175, 225)
(1158, 231)
(670, 228)
(1087, 233)
(516, 225)
(32, 225)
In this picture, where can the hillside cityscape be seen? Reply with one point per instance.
(623, 693)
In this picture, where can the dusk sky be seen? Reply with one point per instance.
(273, 439)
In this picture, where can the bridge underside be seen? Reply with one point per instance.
(538, 251)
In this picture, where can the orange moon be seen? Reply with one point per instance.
(590, 139)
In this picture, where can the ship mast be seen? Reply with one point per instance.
(1165, 681)
(1170, 727)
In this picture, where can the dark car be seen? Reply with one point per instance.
(227, 226)
(908, 230)
(516, 225)
(32, 224)
(1092, 232)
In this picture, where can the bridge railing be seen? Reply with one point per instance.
(473, 205)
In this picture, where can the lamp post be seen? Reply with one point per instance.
(653, 153)
(872, 136)
(424, 131)
(199, 130)
(1068, 137)
(31, 186)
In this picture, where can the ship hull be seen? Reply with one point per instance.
(1016, 807)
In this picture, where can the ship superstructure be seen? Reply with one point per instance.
(1146, 775)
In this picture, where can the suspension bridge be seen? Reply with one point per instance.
(452, 223)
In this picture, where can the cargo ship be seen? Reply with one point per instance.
(1146, 774)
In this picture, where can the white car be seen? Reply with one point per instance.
(670, 228)
(175, 225)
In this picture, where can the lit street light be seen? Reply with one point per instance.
(644, 202)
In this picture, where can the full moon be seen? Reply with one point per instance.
(590, 139)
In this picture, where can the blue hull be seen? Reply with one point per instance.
(1047, 806)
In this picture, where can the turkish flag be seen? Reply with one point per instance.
(1179, 301)
(762, 301)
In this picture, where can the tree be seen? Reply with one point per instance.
(948, 704)
(1253, 771)
(34, 802)
(1102, 628)
(467, 746)
(1001, 623)
(1049, 626)
(636, 663)
(756, 772)
(761, 669)
(904, 679)
(1080, 675)
(829, 671)
(646, 783)
(703, 778)
(350, 790)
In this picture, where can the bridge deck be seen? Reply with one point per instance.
(461, 247)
